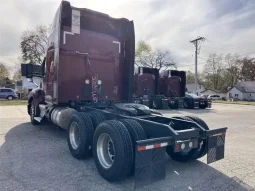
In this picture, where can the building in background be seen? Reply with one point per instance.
(190, 88)
(242, 91)
(24, 86)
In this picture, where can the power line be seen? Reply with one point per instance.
(227, 49)
(199, 63)
(225, 45)
(217, 49)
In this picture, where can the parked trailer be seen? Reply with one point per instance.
(87, 90)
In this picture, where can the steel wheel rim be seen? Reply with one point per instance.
(105, 150)
(74, 135)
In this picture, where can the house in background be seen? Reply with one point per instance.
(243, 91)
(190, 88)
(30, 85)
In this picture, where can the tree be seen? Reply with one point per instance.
(248, 69)
(147, 57)
(232, 69)
(33, 44)
(190, 79)
(4, 71)
(213, 70)
(17, 72)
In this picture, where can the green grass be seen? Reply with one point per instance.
(12, 102)
(235, 102)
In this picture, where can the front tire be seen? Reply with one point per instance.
(80, 135)
(202, 106)
(33, 114)
(113, 150)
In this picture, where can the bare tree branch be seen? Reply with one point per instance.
(147, 57)
(33, 44)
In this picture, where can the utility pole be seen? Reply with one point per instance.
(196, 42)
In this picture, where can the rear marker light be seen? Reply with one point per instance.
(177, 147)
(195, 144)
(154, 146)
(141, 148)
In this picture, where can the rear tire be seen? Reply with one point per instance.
(80, 135)
(180, 156)
(137, 133)
(96, 118)
(113, 158)
(202, 143)
(135, 130)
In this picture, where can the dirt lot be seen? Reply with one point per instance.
(37, 158)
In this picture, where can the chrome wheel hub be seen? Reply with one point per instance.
(74, 135)
(105, 150)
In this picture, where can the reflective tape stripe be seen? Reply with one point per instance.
(149, 147)
(154, 146)
(224, 133)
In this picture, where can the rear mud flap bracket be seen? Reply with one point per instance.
(215, 147)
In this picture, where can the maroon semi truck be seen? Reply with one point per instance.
(159, 90)
(88, 90)
(173, 85)
(146, 88)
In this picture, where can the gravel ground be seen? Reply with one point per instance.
(37, 158)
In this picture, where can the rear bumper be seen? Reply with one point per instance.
(150, 157)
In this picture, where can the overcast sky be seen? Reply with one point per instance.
(229, 25)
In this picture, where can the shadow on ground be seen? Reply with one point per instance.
(37, 158)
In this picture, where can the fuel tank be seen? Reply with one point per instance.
(59, 116)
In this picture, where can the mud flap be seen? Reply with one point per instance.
(150, 161)
(165, 104)
(150, 166)
(215, 147)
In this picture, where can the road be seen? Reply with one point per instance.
(37, 158)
